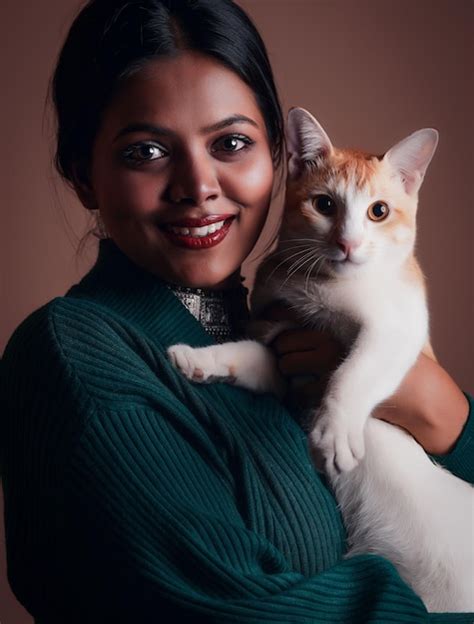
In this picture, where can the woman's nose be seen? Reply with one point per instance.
(193, 180)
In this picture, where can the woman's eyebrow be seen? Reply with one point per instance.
(160, 131)
(229, 121)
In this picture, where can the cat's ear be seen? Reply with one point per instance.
(411, 157)
(306, 141)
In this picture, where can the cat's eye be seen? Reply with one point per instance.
(324, 204)
(378, 211)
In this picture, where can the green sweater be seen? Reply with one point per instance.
(133, 495)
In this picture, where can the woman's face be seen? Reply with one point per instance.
(182, 171)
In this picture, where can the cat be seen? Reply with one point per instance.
(345, 261)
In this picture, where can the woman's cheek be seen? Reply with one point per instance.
(255, 182)
(259, 175)
(132, 196)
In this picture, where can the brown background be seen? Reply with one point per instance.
(371, 71)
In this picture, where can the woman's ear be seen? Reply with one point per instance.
(83, 186)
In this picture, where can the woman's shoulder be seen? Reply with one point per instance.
(55, 327)
(79, 346)
(70, 363)
(34, 337)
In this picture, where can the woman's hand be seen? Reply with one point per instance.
(428, 403)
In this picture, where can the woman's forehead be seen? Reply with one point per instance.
(190, 91)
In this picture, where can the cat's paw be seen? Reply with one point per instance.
(339, 438)
(199, 364)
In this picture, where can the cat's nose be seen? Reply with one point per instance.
(348, 244)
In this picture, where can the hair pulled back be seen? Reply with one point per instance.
(111, 39)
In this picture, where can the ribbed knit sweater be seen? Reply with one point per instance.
(133, 495)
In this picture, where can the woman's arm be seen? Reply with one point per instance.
(158, 530)
(428, 403)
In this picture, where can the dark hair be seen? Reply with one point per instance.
(111, 39)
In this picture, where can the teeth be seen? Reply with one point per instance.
(184, 231)
(198, 232)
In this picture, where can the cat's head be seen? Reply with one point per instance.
(358, 208)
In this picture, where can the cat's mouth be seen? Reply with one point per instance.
(343, 263)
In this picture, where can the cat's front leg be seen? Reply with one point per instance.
(337, 436)
(246, 363)
(372, 372)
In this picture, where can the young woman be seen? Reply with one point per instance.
(132, 495)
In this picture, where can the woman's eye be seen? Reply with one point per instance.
(231, 143)
(324, 204)
(142, 152)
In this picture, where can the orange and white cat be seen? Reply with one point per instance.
(345, 261)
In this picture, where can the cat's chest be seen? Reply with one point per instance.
(326, 306)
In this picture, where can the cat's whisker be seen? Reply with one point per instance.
(309, 272)
(321, 260)
(313, 244)
(288, 258)
(297, 269)
(302, 262)
(300, 252)
(298, 260)
(299, 246)
(294, 240)
(307, 275)
(296, 264)
(310, 242)
(321, 265)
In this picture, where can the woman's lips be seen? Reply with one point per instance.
(198, 233)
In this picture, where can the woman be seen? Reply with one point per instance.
(132, 495)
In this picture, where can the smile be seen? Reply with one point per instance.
(199, 233)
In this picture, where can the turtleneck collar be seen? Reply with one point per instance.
(143, 299)
(223, 313)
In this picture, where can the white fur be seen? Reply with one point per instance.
(395, 501)
(245, 363)
(398, 504)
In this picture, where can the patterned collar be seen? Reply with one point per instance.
(222, 313)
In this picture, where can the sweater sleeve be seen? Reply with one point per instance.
(460, 460)
(160, 538)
